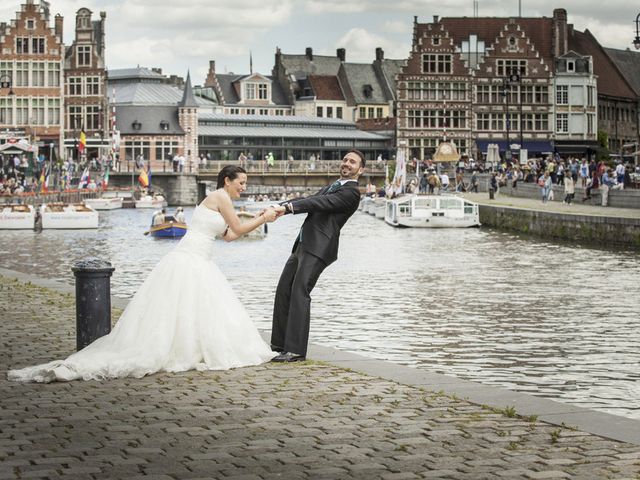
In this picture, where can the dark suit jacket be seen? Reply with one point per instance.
(327, 213)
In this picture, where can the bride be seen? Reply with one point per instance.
(185, 315)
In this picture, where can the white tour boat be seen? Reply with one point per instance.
(68, 216)
(380, 207)
(104, 203)
(17, 217)
(148, 201)
(433, 211)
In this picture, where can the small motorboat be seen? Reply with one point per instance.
(17, 217)
(68, 216)
(104, 203)
(151, 201)
(170, 228)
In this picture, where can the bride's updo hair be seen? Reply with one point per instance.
(231, 172)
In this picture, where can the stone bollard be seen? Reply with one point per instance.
(491, 193)
(93, 300)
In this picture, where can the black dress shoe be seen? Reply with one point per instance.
(287, 357)
(277, 349)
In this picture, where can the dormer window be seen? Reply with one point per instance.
(256, 91)
(136, 125)
(367, 91)
(571, 66)
(164, 125)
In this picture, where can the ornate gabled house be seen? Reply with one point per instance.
(252, 94)
(31, 64)
(85, 86)
(476, 81)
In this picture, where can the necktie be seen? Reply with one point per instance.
(334, 186)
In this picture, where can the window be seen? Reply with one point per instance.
(571, 66)
(53, 74)
(22, 74)
(234, 111)
(135, 148)
(93, 86)
(53, 111)
(165, 149)
(590, 124)
(30, 24)
(379, 112)
(75, 85)
(483, 121)
(37, 111)
(370, 112)
(562, 123)
(83, 56)
(318, 111)
(6, 110)
(329, 112)
(251, 111)
(483, 94)
(507, 67)
(541, 94)
(436, 63)
(93, 117)
(250, 91)
(363, 112)
(591, 96)
(262, 91)
(338, 112)
(37, 74)
(435, 40)
(264, 111)
(22, 44)
(37, 45)
(74, 122)
(22, 111)
(562, 94)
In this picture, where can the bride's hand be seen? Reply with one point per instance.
(269, 214)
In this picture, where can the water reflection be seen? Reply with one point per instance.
(549, 319)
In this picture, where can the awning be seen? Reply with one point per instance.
(532, 146)
(573, 147)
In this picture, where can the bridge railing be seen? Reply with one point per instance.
(284, 167)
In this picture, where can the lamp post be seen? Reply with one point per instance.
(636, 41)
(507, 83)
(505, 93)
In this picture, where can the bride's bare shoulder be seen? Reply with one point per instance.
(215, 200)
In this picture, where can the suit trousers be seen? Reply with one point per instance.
(292, 306)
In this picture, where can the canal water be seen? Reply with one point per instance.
(556, 320)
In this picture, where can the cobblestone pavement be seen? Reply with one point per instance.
(300, 421)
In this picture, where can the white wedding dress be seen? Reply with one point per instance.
(185, 316)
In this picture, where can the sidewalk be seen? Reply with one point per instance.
(577, 208)
(307, 420)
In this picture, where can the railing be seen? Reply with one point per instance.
(284, 167)
(66, 196)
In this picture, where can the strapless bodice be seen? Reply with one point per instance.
(205, 226)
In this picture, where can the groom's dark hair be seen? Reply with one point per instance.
(231, 172)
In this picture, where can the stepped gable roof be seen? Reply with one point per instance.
(188, 100)
(228, 82)
(149, 117)
(628, 62)
(326, 87)
(301, 66)
(364, 84)
(611, 82)
(539, 30)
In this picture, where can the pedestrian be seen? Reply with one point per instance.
(606, 183)
(474, 182)
(584, 173)
(544, 182)
(569, 189)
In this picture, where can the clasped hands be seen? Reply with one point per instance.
(272, 213)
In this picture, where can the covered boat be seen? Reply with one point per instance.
(432, 211)
(104, 203)
(17, 217)
(68, 216)
(151, 201)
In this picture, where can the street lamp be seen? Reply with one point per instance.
(636, 41)
(507, 82)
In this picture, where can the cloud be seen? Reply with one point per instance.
(361, 46)
(398, 26)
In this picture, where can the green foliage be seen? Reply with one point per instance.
(603, 143)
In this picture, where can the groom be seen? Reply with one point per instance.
(315, 248)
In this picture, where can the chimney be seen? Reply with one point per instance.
(436, 18)
(379, 54)
(342, 54)
(560, 32)
(211, 74)
(156, 70)
(58, 23)
(309, 53)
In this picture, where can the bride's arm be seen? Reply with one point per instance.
(236, 227)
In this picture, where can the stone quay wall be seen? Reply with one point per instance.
(583, 228)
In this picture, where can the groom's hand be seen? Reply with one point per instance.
(280, 209)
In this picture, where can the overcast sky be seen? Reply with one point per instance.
(177, 36)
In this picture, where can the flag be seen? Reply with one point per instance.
(400, 175)
(43, 180)
(83, 142)
(84, 180)
(143, 178)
